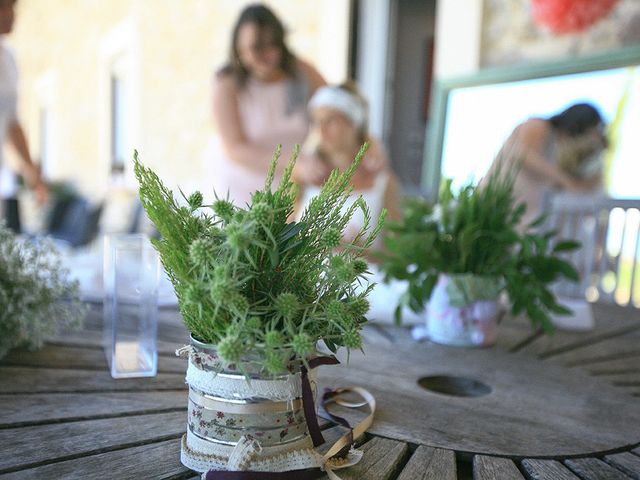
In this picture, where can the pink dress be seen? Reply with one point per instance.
(268, 119)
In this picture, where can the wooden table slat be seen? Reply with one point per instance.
(170, 325)
(630, 379)
(428, 463)
(547, 470)
(156, 460)
(615, 348)
(562, 342)
(611, 321)
(382, 458)
(331, 436)
(57, 356)
(495, 468)
(600, 353)
(93, 339)
(607, 367)
(20, 410)
(58, 380)
(28, 446)
(627, 462)
(594, 469)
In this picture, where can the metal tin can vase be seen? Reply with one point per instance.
(239, 419)
(464, 311)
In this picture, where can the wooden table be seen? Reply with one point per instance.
(561, 407)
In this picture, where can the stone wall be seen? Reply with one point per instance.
(509, 35)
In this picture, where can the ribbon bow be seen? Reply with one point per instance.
(342, 454)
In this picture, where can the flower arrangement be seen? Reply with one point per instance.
(36, 297)
(473, 236)
(255, 284)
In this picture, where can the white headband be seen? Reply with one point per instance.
(340, 99)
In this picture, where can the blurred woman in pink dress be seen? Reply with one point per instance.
(259, 101)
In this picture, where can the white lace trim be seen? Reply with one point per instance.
(202, 456)
(233, 387)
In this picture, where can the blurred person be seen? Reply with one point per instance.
(338, 130)
(559, 153)
(11, 129)
(259, 101)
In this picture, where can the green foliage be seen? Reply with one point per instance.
(475, 231)
(251, 281)
(36, 298)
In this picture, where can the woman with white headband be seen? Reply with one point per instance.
(338, 130)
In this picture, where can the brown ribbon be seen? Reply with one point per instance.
(306, 474)
(307, 398)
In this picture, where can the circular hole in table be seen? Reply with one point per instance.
(454, 386)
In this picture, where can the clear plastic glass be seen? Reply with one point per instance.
(130, 309)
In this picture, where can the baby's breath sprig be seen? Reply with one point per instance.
(37, 297)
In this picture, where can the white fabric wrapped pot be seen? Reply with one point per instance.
(472, 324)
(245, 422)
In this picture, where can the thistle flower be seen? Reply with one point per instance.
(201, 251)
(287, 305)
(238, 303)
(215, 233)
(224, 209)
(335, 311)
(261, 212)
(220, 274)
(358, 307)
(302, 344)
(273, 339)
(220, 292)
(331, 238)
(195, 200)
(274, 362)
(359, 266)
(341, 269)
(237, 237)
(254, 323)
(352, 339)
(230, 349)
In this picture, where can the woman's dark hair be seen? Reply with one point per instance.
(266, 21)
(576, 119)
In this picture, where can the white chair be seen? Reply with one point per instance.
(609, 230)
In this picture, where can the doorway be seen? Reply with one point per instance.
(411, 63)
